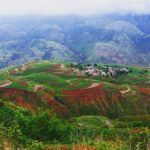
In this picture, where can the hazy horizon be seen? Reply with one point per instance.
(73, 7)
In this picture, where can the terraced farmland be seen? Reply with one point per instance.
(97, 112)
(77, 94)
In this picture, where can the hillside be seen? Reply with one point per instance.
(108, 107)
(71, 93)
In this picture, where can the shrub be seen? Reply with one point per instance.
(43, 127)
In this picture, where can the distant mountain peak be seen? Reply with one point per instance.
(124, 27)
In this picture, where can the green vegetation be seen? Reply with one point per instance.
(92, 122)
(49, 106)
(20, 128)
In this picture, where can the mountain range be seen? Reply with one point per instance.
(121, 39)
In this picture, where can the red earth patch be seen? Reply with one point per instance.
(56, 106)
(144, 90)
(94, 98)
(23, 98)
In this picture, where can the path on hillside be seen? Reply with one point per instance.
(6, 83)
(38, 87)
(93, 85)
(62, 66)
(102, 82)
(126, 91)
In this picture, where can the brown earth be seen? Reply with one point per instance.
(38, 88)
(56, 106)
(93, 85)
(23, 98)
(94, 97)
(125, 91)
(144, 90)
(5, 83)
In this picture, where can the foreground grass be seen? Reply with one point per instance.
(23, 129)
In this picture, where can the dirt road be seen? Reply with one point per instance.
(62, 66)
(126, 91)
(38, 87)
(93, 85)
(6, 83)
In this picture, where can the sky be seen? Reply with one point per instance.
(76, 7)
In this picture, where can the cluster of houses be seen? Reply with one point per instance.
(94, 70)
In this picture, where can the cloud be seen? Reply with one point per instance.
(78, 7)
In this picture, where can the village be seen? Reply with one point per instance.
(95, 70)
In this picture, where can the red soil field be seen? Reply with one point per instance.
(56, 106)
(82, 147)
(31, 100)
(25, 99)
(12, 72)
(75, 147)
(95, 97)
(144, 90)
